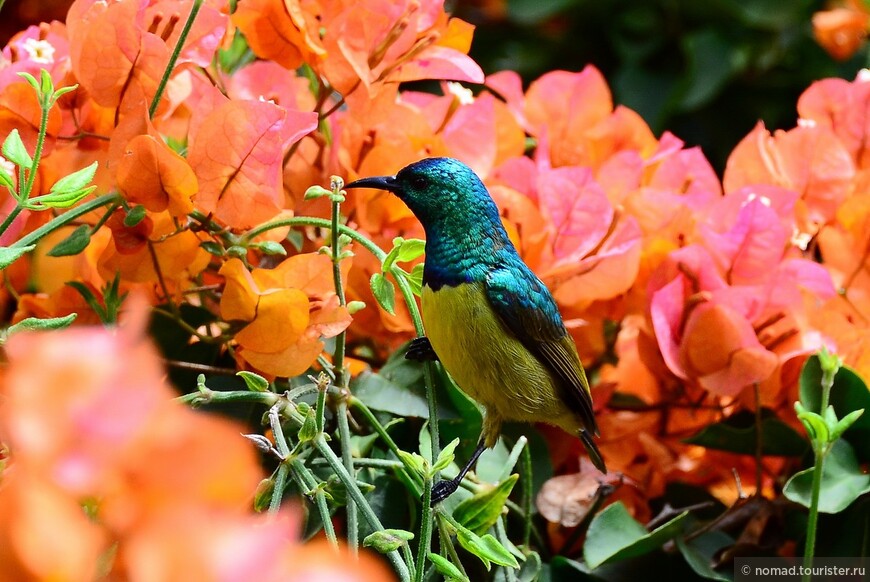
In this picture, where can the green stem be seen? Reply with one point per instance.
(359, 498)
(37, 153)
(526, 468)
(820, 451)
(278, 491)
(298, 221)
(360, 406)
(307, 481)
(170, 66)
(425, 530)
(65, 218)
(347, 459)
(447, 543)
(372, 463)
(208, 396)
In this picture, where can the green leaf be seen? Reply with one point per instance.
(530, 571)
(849, 393)
(13, 150)
(480, 512)
(410, 249)
(254, 382)
(445, 457)
(308, 432)
(700, 552)
(816, 426)
(9, 255)
(135, 216)
(6, 179)
(31, 80)
(844, 423)
(384, 292)
(316, 192)
(713, 60)
(614, 535)
(46, 85)
(414, 462)
(270, 247)
(487, 548)
(37, 324)
(415, 279)
(737, 434)
(380, 393)
(263, 494)
(842, 481)
(59, 199)
(75, 243)
(446, 567)
(388, 540)
(76, 181)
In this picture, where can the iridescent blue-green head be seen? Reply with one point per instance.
(464, 233)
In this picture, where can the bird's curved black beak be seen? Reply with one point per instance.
(387, 183)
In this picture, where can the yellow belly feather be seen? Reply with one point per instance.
(489, 363)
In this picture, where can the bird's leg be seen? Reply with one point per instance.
(420, 350)
(445, 488)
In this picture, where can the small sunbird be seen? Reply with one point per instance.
(491, 322)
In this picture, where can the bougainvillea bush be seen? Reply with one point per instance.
(175, 236)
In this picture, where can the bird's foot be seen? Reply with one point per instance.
(443, 489)
(420, 350)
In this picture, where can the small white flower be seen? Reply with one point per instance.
(806, 122)
(801, 239)
(463, 94)
(9, 167)
(38, 51)
(863, 76)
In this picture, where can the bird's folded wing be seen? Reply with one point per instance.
(528, 310)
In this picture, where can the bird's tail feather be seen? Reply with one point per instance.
(592, 450)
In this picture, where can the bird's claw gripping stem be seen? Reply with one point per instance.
(443, 489)
(420, 350)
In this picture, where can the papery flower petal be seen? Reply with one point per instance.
(282, 316)
(720, 348)
(153, 175)
(237, 156)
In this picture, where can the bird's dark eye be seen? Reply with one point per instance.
(417, 181)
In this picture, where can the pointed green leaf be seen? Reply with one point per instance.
(59, 199)
(384, 292)
(63, 91)
(46, 85)
(263, 494)
(614, 535)
(480, 512)
(13, 150)
(75, 243)
(815, 425)
(849, 393)
(445, 457)
(134, 216)
(308, 432)
(37, 324)
(316, 192)
(212, 248)
(9, 255)
(388, 540)
(842, 481)
(414, 462)
(844, 423)
(530, 571)
(446, 567)
(270, 247)
(76, 181)
(410, 249)
(700, 552)
(31, 80)
(487, 548)
(415, 279)
(254, 382)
